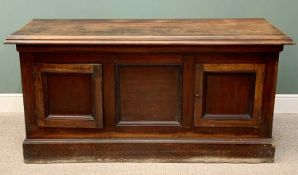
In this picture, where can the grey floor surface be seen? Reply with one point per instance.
(285, 133)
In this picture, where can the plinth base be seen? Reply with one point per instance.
(148, 150)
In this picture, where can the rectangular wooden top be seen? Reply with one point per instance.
(171, 31)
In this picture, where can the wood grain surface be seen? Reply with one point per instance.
(171, 31)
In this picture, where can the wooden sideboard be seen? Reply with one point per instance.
(199, 90)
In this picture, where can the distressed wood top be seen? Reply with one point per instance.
(178, 31)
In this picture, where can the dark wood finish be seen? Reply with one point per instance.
(55, 85)
(26, 60)
(235, 88)
(192, 31)
(269, 93)
(228, 94)
(148, 95)
(143, 48)
(153, 150)
(68, 95)
(154, 90)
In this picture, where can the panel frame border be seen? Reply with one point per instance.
(68, 121)
(255, 121)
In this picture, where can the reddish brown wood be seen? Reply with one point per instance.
(192, 31)
(148, 94)
(269, 93)
(153, 150)
(68, 95)
(109, 97)
(26, 61)
(177, 49)
(228, 94)
(81, 89)
(236, 89)
(188, 89)
(119, 90)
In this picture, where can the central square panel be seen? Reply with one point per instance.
(149, 94)
(69, 94)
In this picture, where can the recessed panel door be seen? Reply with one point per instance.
(228, 95)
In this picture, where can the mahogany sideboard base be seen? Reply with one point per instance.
(149, 90)
(127, 112)
(149, 150)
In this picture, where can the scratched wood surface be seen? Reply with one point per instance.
(175, 31)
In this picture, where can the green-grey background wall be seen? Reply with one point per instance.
(15, 13)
